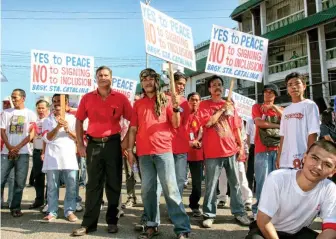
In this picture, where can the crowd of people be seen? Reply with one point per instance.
(287, 156)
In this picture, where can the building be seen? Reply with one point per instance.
(302, 38)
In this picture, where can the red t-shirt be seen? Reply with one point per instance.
(154, 135)
(180, 135)
(193, 127)
(104, 115)
(258, 113)
(218, 140)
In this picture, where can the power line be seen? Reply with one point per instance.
(103, 18)
(109, 12)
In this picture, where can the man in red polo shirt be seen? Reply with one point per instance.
(221, 142)
(104, 108)
(152, 120)
(180, 137)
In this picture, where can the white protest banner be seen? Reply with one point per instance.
(61, 73)
(236, 54)
(243, 105)
(167, 38)
(124, 86)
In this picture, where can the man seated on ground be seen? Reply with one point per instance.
(291, 199)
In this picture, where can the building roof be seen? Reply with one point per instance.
(308, 22)
(245, 6)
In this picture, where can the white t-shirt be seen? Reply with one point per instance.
(250, 130)
(18, 124)
(290, 208)
(298, 121)
(38, 141)
(60, 153)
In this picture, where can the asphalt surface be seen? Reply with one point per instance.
(30, 225)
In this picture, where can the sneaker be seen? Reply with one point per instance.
(79, 207)
(129, 203)
(248, 207)
(183, 236)
(45, 209)
(140, 227)
(253, 216)
(121, 213)
(207, 223)
(243, 220)
(49, 218)
(221, 204)
(72, 217)
(196, 212)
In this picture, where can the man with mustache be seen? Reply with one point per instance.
(153, 117)
(221, 142)
(104, 108)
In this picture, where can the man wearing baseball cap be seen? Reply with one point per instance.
(266, 117)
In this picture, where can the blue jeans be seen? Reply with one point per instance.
(10, 186)
(181, 165)
(213, 169)
(70, 180)
(20, 165)
(264, 164)
(162, 166)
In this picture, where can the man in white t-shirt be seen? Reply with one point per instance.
(17, 130)
(60, 159)
(42, 109)
(300, 124)
(291, 199)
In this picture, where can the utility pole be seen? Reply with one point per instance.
(147, 56)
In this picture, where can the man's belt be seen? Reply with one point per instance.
(103, 139)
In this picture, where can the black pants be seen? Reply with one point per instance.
(250, 169)
(104, 167)
(304, 233)
(39, 177)
(131, 178)
(196, 170)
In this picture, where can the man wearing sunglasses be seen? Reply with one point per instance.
(153, 117)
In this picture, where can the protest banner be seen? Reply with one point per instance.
(243, 105)
(236, 54)
(125, 86)
(168, 39)
(61, 73)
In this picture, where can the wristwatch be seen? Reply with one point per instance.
(178, 110)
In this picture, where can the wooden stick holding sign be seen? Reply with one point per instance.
(172, 81)
(62, 106)
(230, 89)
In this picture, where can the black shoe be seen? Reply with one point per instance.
(82, 231)
(112, 228)
(35, 205)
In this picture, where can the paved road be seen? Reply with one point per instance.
(30, 225)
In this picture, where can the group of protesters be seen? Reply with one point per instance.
(284, 155)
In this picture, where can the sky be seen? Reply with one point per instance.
(110, 31)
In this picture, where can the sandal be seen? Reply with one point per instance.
(147, 234)
(17, 213)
